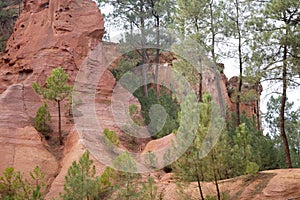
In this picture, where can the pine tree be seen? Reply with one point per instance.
(81, 182)
(197, 163)
(56, 89)
(126, 189)
(133, 14)
(236, 18)
(276, 50)
(292, 118)
(161, 11)
(203, 23)
(14, 186)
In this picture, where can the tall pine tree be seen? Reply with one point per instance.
(275, 48)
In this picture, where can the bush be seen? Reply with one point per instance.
(14, 186)
(111, 138)
(252, 168)
(133, 110)
(166, 100)
(42, 118)
(134, 114)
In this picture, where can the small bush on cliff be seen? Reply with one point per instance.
(42, 118)
(111, 138)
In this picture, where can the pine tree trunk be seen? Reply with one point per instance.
(213, 40)
(238, 98)
(144, 53)
(257, 84)
(198, 181)
(282, 110)
(59, 124)
(200, 85)
(200, 67)
(157, 54)
(215, 175)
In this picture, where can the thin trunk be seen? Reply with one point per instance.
(131, 30)
(198, 181)
(257, 105)
(59, 124)
(82, 181)
(282, 109)
(215, 174)
(200, 66)
(238, 98)
(200, 85)
(144, 69)
(144, 53)
(157, 54)
(213, 41)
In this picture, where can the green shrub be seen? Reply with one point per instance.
(133, 110)
(42, 118)
(134, 114)
(224, 196)
(107, 178)
(81, 182)
(111, 138)
(166, 100)
(14, 186)
(252, 168)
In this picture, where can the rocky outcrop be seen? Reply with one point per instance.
(23, 149)
(48, 33)
(266, 185)
(21, 145)
(250, 97)
(51, 33)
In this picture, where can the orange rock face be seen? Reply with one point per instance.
(23, 149)
(50, 33)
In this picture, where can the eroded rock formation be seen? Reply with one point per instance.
(48, 33)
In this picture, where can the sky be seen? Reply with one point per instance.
(231, 69)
